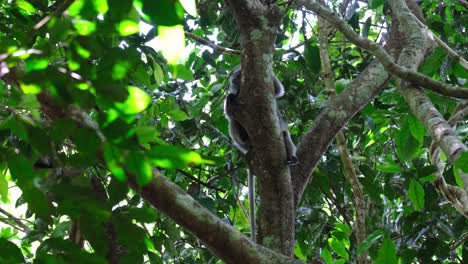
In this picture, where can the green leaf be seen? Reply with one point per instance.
(147, 134)
(101, 6)
(178, 115)
(144, 214)
(343, 228)
(127, 28)
(407, 145)
(69, 249)
(461, 166)
(182, 72)
(339, 247)
(136, 101)
(111, 156)
(9, 252)
(164, 12)
(327, 256)
(369, 241)
(84, 27)
(75, 8)
(17, 127)
(172, 157)
(298, 252)
(26, 6)
(390, 168)
(22, 171)
(416, 195)
(36, 64)
(374, 4)
(3, 186)
(30, 88)
(117, 191)
(417, 129)
(312, 56)
(190, 6)
(137, 164)
(433, 62)
(172, 41)
(387, 253)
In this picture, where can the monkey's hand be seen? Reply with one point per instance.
(293, 161)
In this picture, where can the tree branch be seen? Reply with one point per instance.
(332, 119)
(442, 133)
(18, 221)
(442, 45)
(385, 58)
(211, 44)
(222, 239)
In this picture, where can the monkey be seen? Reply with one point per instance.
(241, 139)
(238, 133)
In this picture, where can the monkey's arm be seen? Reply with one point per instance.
(238, 133)
(288, 143)
(279, 88)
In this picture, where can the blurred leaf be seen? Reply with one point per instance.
(111, 156)
(84, 27)
(144, 214)
(417, 129)
(69, 251)
(9, 252)
(22, 171)
(407, 145)
(374, 4)
(36, 64)
(136, 101)
(338, 247)
(312, 57)
(432, 63)
(461, 166)
(416, 195)
(178, 115)
(180, 71)
(190, 6)
(172, 157)
(390, 168)
(164, 12)
(387, 253)
(369, 241)
(172, 40)
(3, 186)
(137, 164)
(127, 28)
(26, 6)
(326, 255)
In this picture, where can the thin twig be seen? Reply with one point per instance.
(17, 220)
(442, 44)
(188, 175)
(211, 44)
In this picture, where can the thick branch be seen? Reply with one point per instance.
(222, 239)
(331, 120)
(385, 58)
(442, 133)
